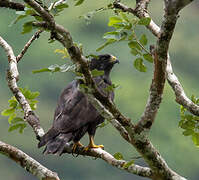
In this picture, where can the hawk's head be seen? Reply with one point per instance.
(104, 62)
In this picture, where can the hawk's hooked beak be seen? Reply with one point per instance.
(114, 60)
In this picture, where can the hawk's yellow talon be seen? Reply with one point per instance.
(75, 145)
(92, 144)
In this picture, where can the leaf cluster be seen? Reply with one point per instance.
(124, 30)
(190, 123)
(15, 111)
(54, 9)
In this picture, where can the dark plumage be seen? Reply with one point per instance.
(74, 115)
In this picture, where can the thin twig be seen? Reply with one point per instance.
(35, 36)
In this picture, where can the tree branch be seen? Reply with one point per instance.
(12, 5)
(12, 78)
(181, 97)
(28, 163)
(107, 157)
(35, 36)
(160, 62)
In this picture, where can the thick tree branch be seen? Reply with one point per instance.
(35, 36)
(107, 157)
(12, 5)
(160, 63)
(28, 163)
(12, 78)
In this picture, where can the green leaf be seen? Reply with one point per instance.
(138, 64)
(66, 68)
(111, 87)
(134, 44)
(15, 126)
(135, 52)
(56, 9)
(30, 12)
(61, 7)
(83, 86)
(11, 117)
(54, 68)
(188, 132)
(130, 37)
(114, 20)
(33, 95)
(92, 55)
(105, 123)
(134, 21)
(144, 21)
(7, 112)
(38, 18)
(51, 41)
(118, 156)
(21, 129)
(79, 2)
(189, 117)
(188, 125)
(27, 27)
(148, 57)
(26, 92)
(193, 99)
(129, 163)
(109, 41)
(64, 52)
(96, 73)
(124, 16)
(33, 106)
(13, 103)
(112, 35)
(20, 12)
(16, 120)
(17, 19)
(143, 40)
(195, 138)
(41, 70)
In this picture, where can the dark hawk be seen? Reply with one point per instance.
(74, 114)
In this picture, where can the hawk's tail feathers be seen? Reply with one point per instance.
(47, 137)
(56, 145)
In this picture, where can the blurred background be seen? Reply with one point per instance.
(179, 151)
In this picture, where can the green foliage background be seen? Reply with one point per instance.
(178, 150)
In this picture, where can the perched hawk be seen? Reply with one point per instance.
(75, 115)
